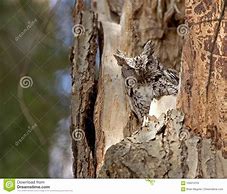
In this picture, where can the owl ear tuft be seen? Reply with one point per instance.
(120, 57)
(148, 49)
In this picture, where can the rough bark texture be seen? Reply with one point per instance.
(156, 20)
(83, 92)
(203, 96)
(165, 149)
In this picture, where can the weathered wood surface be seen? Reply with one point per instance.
(110, 111)
(83, 92)
(165, 149)
(178, 146)
(167, 155)
(203, 96)
(128, 25)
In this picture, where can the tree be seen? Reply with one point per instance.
(170, 147)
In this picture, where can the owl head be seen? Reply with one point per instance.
(139, 62)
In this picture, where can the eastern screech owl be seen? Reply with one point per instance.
(147, 81)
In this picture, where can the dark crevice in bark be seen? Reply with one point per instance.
(166, 147)
(89, 123)
(199, 173)
(184, 154)
(100, 40)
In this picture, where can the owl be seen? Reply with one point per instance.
(151, 87)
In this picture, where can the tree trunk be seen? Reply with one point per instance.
(128, 25)
(203, 96)
(180, 144)
(83, 58)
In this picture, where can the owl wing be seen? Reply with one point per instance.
(172, 76)
(164, 87)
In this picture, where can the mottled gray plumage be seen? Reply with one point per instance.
(146, 78)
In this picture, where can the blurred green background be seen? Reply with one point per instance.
(35, 37)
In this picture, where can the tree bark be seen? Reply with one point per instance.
(203, 96)
(128, 25)
(185, 143)
(83, 58)
(164, 149)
